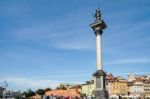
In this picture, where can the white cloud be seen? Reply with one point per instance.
(75, 45)
(36, 82)
(62, 76)
(37, 32)
(130, 61)
(63, 37)
(24, 83)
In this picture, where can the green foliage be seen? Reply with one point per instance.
(40, 92)
(61, 86)
(47, 89)
(29, 93)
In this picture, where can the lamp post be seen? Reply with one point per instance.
(99, 76)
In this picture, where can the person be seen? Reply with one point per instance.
(89, 97)
(84, 96)
(67, 97)
(51, 96)
(47, 97)
(44, 97)
(120, 97)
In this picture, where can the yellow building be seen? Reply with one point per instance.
(147, 88)
(117, 86)
(120, 88)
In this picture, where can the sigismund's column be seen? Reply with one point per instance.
(100, 91)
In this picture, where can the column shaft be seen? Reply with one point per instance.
(99, 51)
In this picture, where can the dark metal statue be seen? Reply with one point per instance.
(98, 15)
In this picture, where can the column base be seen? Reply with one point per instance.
(100, 94)
(100, 91)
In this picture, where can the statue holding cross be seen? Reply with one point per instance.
(98, 15)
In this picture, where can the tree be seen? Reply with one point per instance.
(62, 86)
(28, 93)
(40, 92)
(47, 89)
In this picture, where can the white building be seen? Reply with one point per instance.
(7, 94)
(136, 87)
(109, 88)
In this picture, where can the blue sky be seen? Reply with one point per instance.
(47, 42)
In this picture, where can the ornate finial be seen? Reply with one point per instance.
(98, 15)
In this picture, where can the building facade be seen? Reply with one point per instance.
(109, 87)
(87, 89)
(146, 86)
(136, 88)
(119, 88)
(1, 92)
(116, 85)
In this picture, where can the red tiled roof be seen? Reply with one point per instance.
(70, 92)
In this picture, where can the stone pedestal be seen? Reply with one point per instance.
(100, 94)
(99, 80)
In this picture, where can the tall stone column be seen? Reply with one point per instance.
(100, 91)
(99, 50)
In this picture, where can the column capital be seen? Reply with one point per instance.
(98, 31)
(98, 26)
(99, 73)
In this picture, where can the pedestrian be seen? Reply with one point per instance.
(120, 97)
(47, 97)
